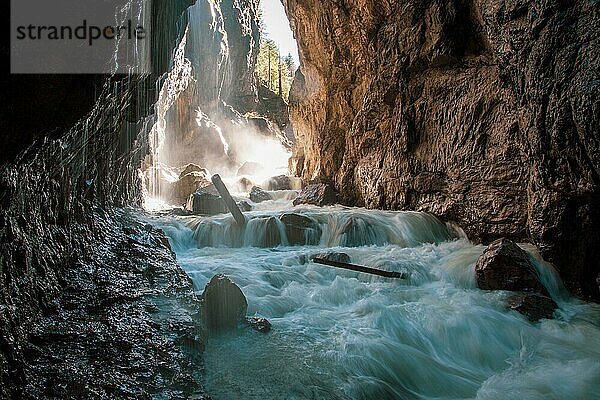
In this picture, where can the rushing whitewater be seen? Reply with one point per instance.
(339, 334)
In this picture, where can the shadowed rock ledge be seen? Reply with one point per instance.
(126, 324)
(484, 113)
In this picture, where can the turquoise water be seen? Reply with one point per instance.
(340, 334)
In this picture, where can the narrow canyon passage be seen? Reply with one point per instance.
(451, 144)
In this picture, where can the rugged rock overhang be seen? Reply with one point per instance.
(485, 113)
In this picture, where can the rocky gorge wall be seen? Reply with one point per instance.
(484, 113)
(73, 148)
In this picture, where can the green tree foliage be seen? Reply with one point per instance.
(273, 71)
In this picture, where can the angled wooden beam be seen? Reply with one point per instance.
(231, 204)
(360, 268)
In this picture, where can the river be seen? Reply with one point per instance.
(340, 334)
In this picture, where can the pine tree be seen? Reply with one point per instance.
(272, 71)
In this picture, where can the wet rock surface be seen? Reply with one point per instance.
(258, 195)
(259, 324)
(206, 204)
(483, 113)
(203, 203)
(125, 325)
(301, 229)
(333, 256)
(534, 306)
(55, 195)
(224, 305)
(318, 194)
(505, 266)
(280, 182)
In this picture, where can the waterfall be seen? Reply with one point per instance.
(336, 227)
(193, 122)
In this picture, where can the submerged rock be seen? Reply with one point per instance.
(319, 194)
(258, 195)
(301, 230)
(357, 232)
(333, 256)
(243, 185)
(505, 266)
(272, 236)
(259, 324)
(532, 305)
(265, 232)
(224, 303)
(280, 182)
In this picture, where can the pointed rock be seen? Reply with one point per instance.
(224, 304)
(505, 266)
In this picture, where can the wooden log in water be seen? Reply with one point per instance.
(360, 268)
(231, 204)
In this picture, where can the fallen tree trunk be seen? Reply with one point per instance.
(231, 205)
(360, 268)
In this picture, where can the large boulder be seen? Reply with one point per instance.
(258, 195)
(224, 304)
(189, 168)
(206, 204)
(280, 182)
(319, 194)
(301, 230)
(505, 266)
(194, 181)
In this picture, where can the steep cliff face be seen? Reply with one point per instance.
(54, 197)
(483, 112)
(205, 121)
(243, 32)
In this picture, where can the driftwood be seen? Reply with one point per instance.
(231, 204)
(360, 268)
